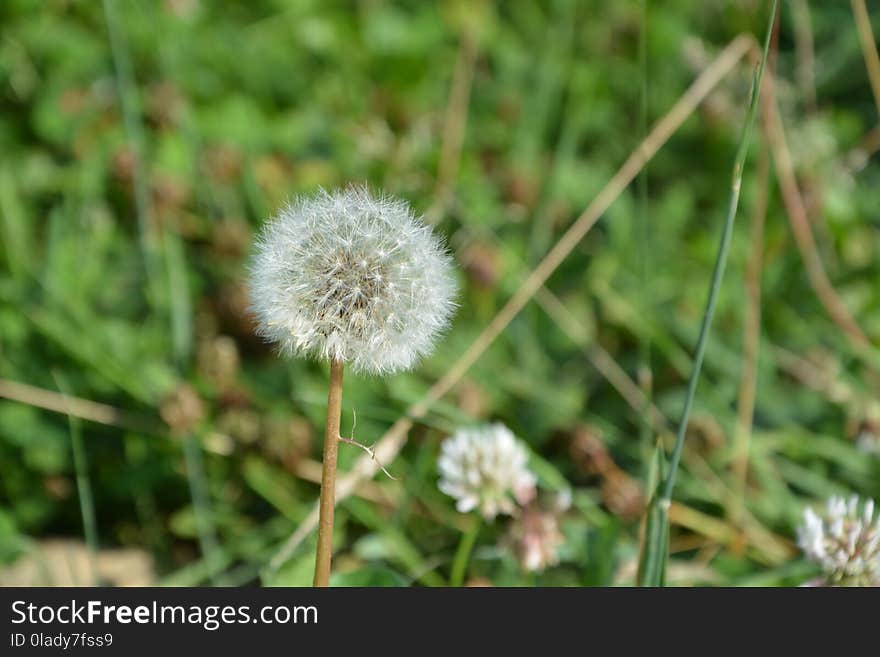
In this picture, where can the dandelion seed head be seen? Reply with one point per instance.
(351, 276)
(485, 468)
(845, 541)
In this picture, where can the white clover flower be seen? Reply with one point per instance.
(485, 468)
(845, 542)
(352, 277)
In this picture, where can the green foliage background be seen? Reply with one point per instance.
(234, 107)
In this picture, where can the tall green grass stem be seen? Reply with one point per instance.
(208, 544)
(643, 238)
(463, 553)
(720, 264)
(83, 482)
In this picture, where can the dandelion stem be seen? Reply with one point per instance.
(463, 553)
(720, 264)
(328, 476)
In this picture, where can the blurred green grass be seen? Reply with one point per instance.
(241, 106)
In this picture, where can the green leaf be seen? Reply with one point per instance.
(296, 572)
(369, 576)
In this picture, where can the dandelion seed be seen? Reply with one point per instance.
(485, 468)
(331, 268)
(845, 541)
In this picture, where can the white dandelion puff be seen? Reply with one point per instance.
(352, 277)
(845, 541)
(485, 468)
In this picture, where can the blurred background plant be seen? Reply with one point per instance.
(144, 142)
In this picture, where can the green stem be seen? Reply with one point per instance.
(644, 250)
(720, 264)
(198, 487)
(83, 484)
(463, 553)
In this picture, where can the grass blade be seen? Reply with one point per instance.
(463, 553)
(643, 240)
(655, 541)
(13, 226)
(83, 483)
(198, 486)
(659, 508)
(720, 262)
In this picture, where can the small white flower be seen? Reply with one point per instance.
(349, 276)
(485, 468)
(845, 542)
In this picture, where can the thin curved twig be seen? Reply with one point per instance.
(368, 449)
(800, 225)
(869, 48)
